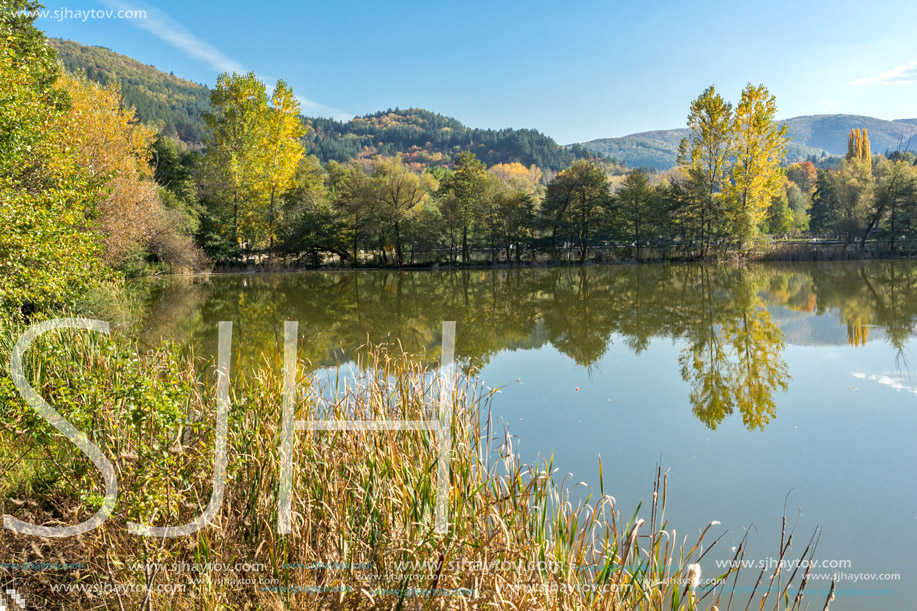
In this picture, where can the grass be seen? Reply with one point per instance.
(363, 505)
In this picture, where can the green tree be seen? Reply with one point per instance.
(397, 191)
(310, 223)
(799, 205)
(779, 218)
(638, 211)
(350, 194)
(895, 199)
(50, 252)
(516, 214)
(854, 183)
(467, 186)
(705, 157)
(824, 212)
(234, 164)
(576, 205)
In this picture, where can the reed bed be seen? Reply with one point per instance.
(364, 501)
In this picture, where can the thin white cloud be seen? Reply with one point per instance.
(896, 381)
(899, 75)
(170, 31)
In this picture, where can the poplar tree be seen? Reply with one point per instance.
(705, 157)
(858, 145)
(235, 159)
(284, 149)
(757, 176)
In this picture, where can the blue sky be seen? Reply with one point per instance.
(575, 70)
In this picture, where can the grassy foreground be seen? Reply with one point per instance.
(363, 505)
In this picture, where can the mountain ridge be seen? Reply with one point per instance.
(819, 135)
(175, 105)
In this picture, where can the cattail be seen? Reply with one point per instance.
(693, 575)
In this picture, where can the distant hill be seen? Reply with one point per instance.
(829, 132)
(658, 150)
(173, 105)
(818, 135)
(427, 138)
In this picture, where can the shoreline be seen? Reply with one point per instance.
(438, 267)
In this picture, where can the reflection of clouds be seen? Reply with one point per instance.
(898, 381)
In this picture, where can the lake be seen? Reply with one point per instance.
(753, 386)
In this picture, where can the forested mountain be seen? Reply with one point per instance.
(818, 135)
(175, 105)
(427, 138)
(170, 104)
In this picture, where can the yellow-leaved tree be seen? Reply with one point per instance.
(759, 143)
(254, 148)
(284, 149)
(115, 148)
(519, 177)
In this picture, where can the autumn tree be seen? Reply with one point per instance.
(858, 145)
(283, 148)
(518, 177)
(757, 177)
(804, 175)
(134, 221)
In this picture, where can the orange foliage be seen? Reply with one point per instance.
(804, 175)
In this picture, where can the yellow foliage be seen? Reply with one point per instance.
(518, 176)
(116, 149)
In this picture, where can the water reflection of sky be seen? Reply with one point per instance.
(842, 442)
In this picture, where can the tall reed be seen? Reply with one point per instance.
(364, 502)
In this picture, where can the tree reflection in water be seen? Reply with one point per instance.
(721, 315)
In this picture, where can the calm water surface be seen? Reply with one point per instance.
(746, 384)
